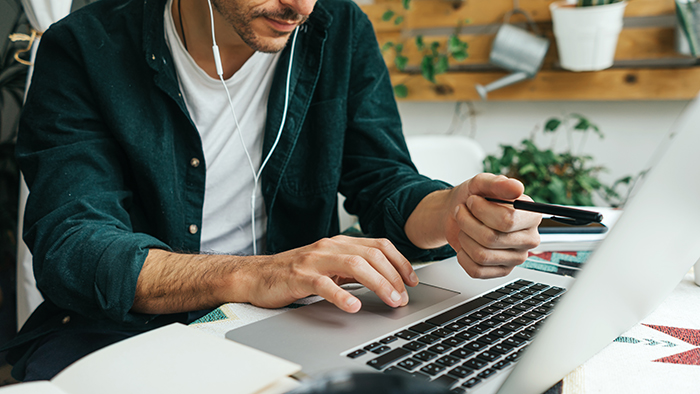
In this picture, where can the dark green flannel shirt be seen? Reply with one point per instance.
(106, 145)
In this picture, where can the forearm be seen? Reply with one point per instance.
(427, 223)
(171, 282)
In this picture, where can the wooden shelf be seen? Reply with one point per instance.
(647, 42)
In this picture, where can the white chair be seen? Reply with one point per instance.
(449, 158)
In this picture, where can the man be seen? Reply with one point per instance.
(141, 166)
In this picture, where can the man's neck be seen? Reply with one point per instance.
(196, 30)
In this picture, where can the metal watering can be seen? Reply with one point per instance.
(517, 50)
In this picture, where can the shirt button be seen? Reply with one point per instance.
(194, 162)
(65, 320)
(193, 229)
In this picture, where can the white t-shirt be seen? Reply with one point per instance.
(226, 222)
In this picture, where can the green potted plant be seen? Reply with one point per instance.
(586, 32)
(565, 178)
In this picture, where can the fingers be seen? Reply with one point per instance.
(496, 186)
(326, 288)
(476, 270)
(511, 231)
(374, 263)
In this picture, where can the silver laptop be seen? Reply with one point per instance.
(472, 334)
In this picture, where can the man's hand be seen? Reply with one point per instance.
(171, 282)
(320, 268)
(490, 238)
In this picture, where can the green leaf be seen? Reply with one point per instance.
(398, 20)
(419, 42)
(387, 15)
(527, 168)
(442, 64)
(454, 44)
(406, 4)
(401, 62)
(460, 55)
(401, 91)
(434, 46)
(552, 124)
(427, 69)
(388, 45)
(399, 48)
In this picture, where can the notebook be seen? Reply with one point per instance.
(456, 330)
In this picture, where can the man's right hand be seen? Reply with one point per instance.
(171, 282)
(322, 267)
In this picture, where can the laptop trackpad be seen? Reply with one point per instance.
(419, 298)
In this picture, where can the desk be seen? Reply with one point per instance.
(659, 355)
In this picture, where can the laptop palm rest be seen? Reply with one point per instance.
(420, 297)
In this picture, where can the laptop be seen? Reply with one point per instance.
(524, 332)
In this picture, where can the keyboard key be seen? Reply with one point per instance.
(491, 322)
(475, 364)
(476, 346)
(448, 361)
(458, 390)
(455, 326)
(468, 320)
(445, 380)
(511, 326)
(388, 340)
(441, 332)
(532, 315)
(512, 341)
(388, 358)
(488, 356)
(409, 364)
(539, 286)
(458, 311)
(522, 282)
(414, 346)
(462, 353)
(466, 335)
(504, 317)
(357, 353)
(429, 339)
(433, 369)
(525, 306)
(494, 295)
(407, 335)
(381, 349)
(501, 348)
(454, 341)
(488, 339)
(422, 328)
(500, 332)
(501, 364)
(372, 346)
(487, 373)
(460, 372)
(425, 355)
(440, 348)
(471, 383)
(553, 291)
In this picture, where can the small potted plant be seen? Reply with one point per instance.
(565, 178)
(586, 32)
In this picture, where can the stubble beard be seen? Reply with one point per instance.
(241, 23)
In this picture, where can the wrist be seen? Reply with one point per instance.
(426, 225)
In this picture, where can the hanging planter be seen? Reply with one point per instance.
(587, 33)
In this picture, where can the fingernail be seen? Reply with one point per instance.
(395, 296)
(413, 277)
(469, 203)
(351, 301)
(404, 298)
(456, 210)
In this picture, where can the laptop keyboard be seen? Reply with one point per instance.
(468, 344)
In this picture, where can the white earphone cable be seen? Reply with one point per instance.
(220, 72)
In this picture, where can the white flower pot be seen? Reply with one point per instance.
(586, 36)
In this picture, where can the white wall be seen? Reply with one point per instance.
(632, 130)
